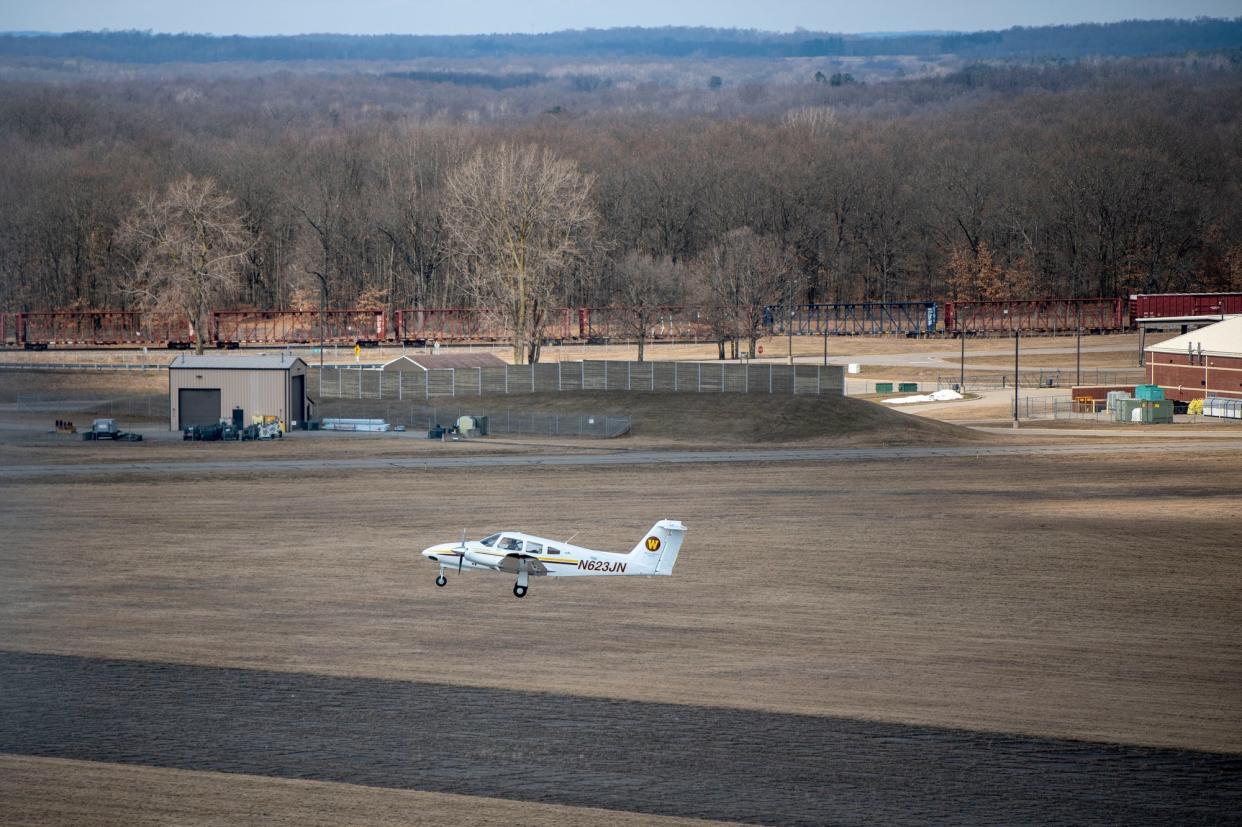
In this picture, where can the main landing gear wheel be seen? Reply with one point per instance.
(441, 580)
(519, 591)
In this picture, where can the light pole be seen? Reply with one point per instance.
(962, 362)
(824, 323)
(1078, 351)
(789, 329)
(1015, 377)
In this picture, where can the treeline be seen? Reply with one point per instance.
(1128, 38)
(1096, 183)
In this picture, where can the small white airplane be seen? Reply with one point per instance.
(526, 556)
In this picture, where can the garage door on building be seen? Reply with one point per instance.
(198, 406)
(297, 411)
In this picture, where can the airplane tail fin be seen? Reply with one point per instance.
(658, 549)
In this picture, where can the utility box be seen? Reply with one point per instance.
(1151, 393)
(1144, 410)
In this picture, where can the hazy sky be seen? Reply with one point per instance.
(473, 16)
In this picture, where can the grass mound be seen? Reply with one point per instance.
(697, 418)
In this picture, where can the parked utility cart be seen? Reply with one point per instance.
(108, 429)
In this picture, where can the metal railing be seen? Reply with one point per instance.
(1041, 378)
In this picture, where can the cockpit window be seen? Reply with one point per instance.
(510, 544)
(489, 541)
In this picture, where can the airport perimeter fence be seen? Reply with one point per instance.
(80, 411)
(1049, 378)
(357, 382)
(499, 422)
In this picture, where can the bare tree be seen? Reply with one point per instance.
(190, 245)
(746, 273)
(518, 219)
(646, 288)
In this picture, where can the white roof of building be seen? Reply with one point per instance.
(1220, 339)
(234, 362)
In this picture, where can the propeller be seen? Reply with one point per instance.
(461, 557)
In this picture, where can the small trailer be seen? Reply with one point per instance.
(108, 429)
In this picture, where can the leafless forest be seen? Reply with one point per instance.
(691, 179)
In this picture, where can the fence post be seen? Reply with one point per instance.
(769, 380)
(675, 364)
(722, 377)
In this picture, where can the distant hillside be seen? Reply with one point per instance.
(1129, 38)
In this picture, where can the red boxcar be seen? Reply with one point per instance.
(1186, 305)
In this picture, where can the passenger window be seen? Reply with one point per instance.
(489, 541)
(534, 548)
(553, 550)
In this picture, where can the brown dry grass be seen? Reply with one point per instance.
(1091, 597)
(56, 791)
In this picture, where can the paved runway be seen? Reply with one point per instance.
(614, 458)
(757, 767)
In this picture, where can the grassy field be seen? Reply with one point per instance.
(1015, 594)
(1090, 598)
(55, 791)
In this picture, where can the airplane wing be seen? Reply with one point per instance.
(514, 563)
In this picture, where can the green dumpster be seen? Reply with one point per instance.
(883, 387)
(908, 387)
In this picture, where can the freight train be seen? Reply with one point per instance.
(39, 330)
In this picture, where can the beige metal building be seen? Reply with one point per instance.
(202, 390)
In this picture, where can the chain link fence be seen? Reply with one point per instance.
(356, 382)
(144, 409)
(1042, 378)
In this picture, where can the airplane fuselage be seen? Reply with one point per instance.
(527, 555)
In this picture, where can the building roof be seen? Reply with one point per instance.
(469, 359)
(190, 361)
(1220, 339)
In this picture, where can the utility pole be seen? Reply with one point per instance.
(962, 362)
(1015, 377)
(791, 321)
(1078, 348)
(824, 322)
